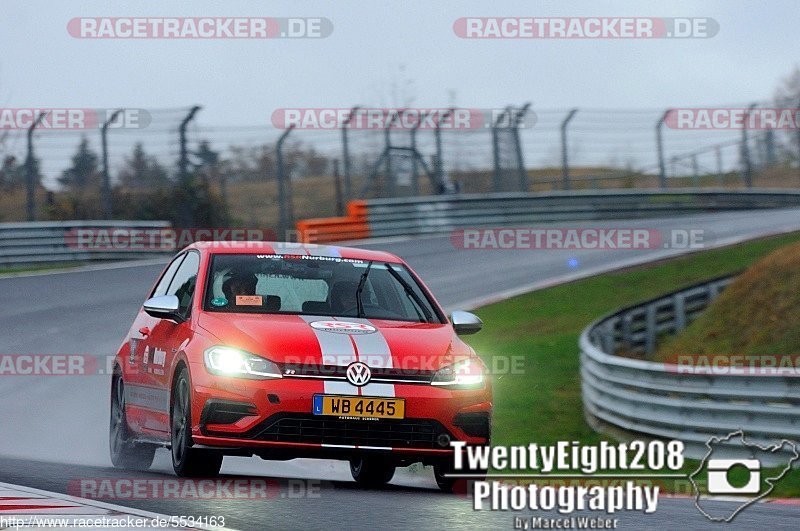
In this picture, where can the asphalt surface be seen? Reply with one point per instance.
(54, 429)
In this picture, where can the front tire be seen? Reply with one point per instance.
(125, 453)
(448, 483)
(188, 462)
(371, 472)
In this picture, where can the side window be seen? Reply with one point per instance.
(182, 286)
(163, 284)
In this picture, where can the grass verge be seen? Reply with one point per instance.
(542, 402)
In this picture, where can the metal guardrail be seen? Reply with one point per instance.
(624, 396)
(42, 242)
(441, 214)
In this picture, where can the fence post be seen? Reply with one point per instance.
(183, 162)
(337, 182)
(414, 165)
(565, 185)
(695, 171)
(107, 205)
(285, 209)
(437, 135)
(496, 177)
(798, 139)
(388, 150)
(348, 191)
(662, 171)
(523, 175)
(748, 167)
(30, 177)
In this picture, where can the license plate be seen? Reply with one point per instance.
(359, 406)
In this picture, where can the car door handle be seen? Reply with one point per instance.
(144, 331)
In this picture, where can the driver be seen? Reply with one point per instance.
(343, 297)
(239, 284)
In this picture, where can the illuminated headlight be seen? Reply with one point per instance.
(466, 374)
(227, 361)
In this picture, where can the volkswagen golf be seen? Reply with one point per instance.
(286, 350)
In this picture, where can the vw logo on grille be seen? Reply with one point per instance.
(358, 374)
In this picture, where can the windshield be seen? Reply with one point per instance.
(315, 285)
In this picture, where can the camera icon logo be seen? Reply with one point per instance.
(719, 483)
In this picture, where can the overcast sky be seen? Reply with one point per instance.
(243, 81)
(376, 45)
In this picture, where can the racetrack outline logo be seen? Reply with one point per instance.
(771, 481)
(358, 374)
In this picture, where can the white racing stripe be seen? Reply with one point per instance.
(343, 349)
(374, 351)
(337, 350)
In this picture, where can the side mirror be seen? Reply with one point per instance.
(164, 307)
(466, 323)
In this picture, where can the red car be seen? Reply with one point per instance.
(287, 350)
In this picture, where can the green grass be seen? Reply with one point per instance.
(36, 268)
(543, 403)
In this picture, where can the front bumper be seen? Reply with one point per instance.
(274, 418)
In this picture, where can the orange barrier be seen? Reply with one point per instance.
(354, 226)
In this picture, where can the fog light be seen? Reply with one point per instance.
(443, 440)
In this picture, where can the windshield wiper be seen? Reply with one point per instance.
(359, 304)
(410, 292)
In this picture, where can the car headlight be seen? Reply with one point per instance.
(228, 361)
(465, 374)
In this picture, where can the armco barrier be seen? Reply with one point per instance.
(441, 214)
(632, 397)
(42, 242)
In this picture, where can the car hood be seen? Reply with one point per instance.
(315, 340)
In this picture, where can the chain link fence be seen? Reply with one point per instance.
(128, 164)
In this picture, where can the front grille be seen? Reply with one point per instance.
(406, 433)
(335, 372)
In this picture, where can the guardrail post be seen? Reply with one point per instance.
(285, 210)
(348, 192)
(627, 336)
(107, 206)
(747, 163)
(564, 152)
(662, 171)
(679, 311)
(607, 337)
(650, 330)
(30, 171)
